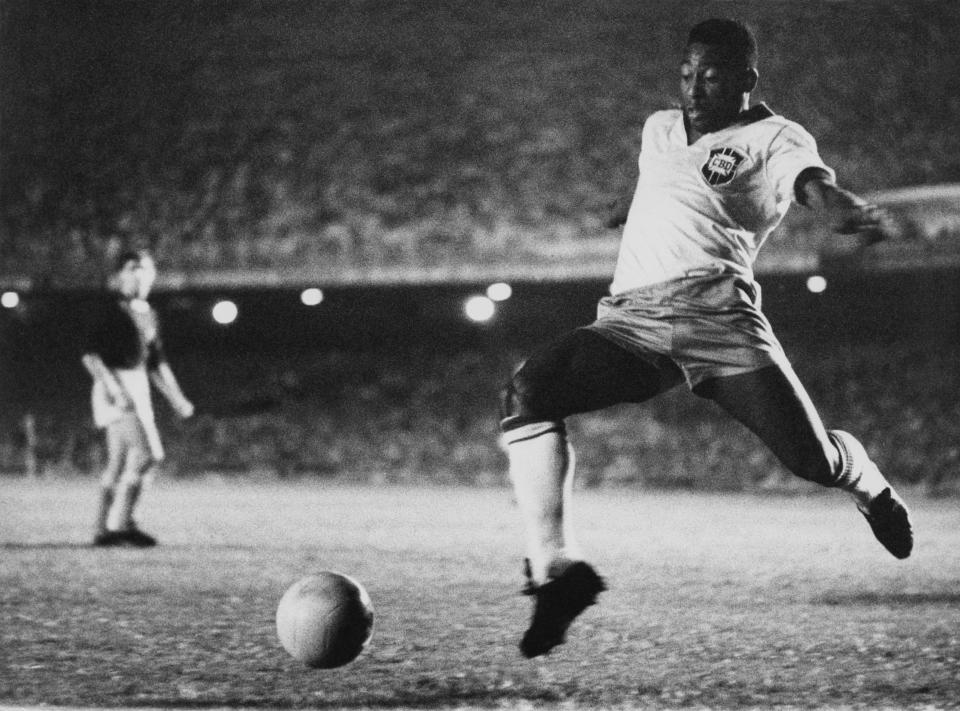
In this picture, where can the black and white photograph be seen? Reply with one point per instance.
(479, 356)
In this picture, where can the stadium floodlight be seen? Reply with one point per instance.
(311, 296)
(479, 308)
(10, 300)
(816, 284)
(224, 312)
(500, 291)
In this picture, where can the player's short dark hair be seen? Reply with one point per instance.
(128, 255)
(735, 39)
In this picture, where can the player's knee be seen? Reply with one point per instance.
(112, 471)
(525, 412)
(509, 401)
(150, 462)
(521, 402)
(110, 477)
(531, 430)
(138, 464)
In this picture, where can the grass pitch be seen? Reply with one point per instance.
(714, 602)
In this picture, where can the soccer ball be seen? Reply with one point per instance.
(325, 620)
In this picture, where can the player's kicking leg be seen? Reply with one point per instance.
(579, 373)
(773, 403)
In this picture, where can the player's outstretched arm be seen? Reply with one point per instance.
(165, 381)
(845, 212)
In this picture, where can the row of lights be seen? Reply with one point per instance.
(225, 311)
(479, 308)
(482, 307)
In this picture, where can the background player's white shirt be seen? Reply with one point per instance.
(711, 204)
(136, 384)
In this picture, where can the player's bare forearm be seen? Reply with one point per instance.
(165, 381)
(844, 211)
(99, 371)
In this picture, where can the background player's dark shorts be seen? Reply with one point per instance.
(710, 326)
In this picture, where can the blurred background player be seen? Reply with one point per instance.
(715, 178)
(124, 355)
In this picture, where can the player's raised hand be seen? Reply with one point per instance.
(845, 212)
(184, 408)
(868, 222)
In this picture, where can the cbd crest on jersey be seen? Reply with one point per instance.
(722, 165)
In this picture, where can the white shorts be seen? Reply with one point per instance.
(137, 425)
(710, 326)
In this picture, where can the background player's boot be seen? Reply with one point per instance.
(108, 538)
(133, 536)
(570, 589)
(890, 521)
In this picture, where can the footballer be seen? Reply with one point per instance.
(124, 355)
(716, 176)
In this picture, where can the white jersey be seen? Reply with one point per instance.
(710, 205)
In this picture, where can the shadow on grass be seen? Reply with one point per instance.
(46, 545)
(75, 545)
(884, 598)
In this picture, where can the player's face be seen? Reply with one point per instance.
(127, 280)
(146, 275)
(713, 91)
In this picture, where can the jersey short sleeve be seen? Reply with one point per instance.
(792, 151)
(713, 202)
